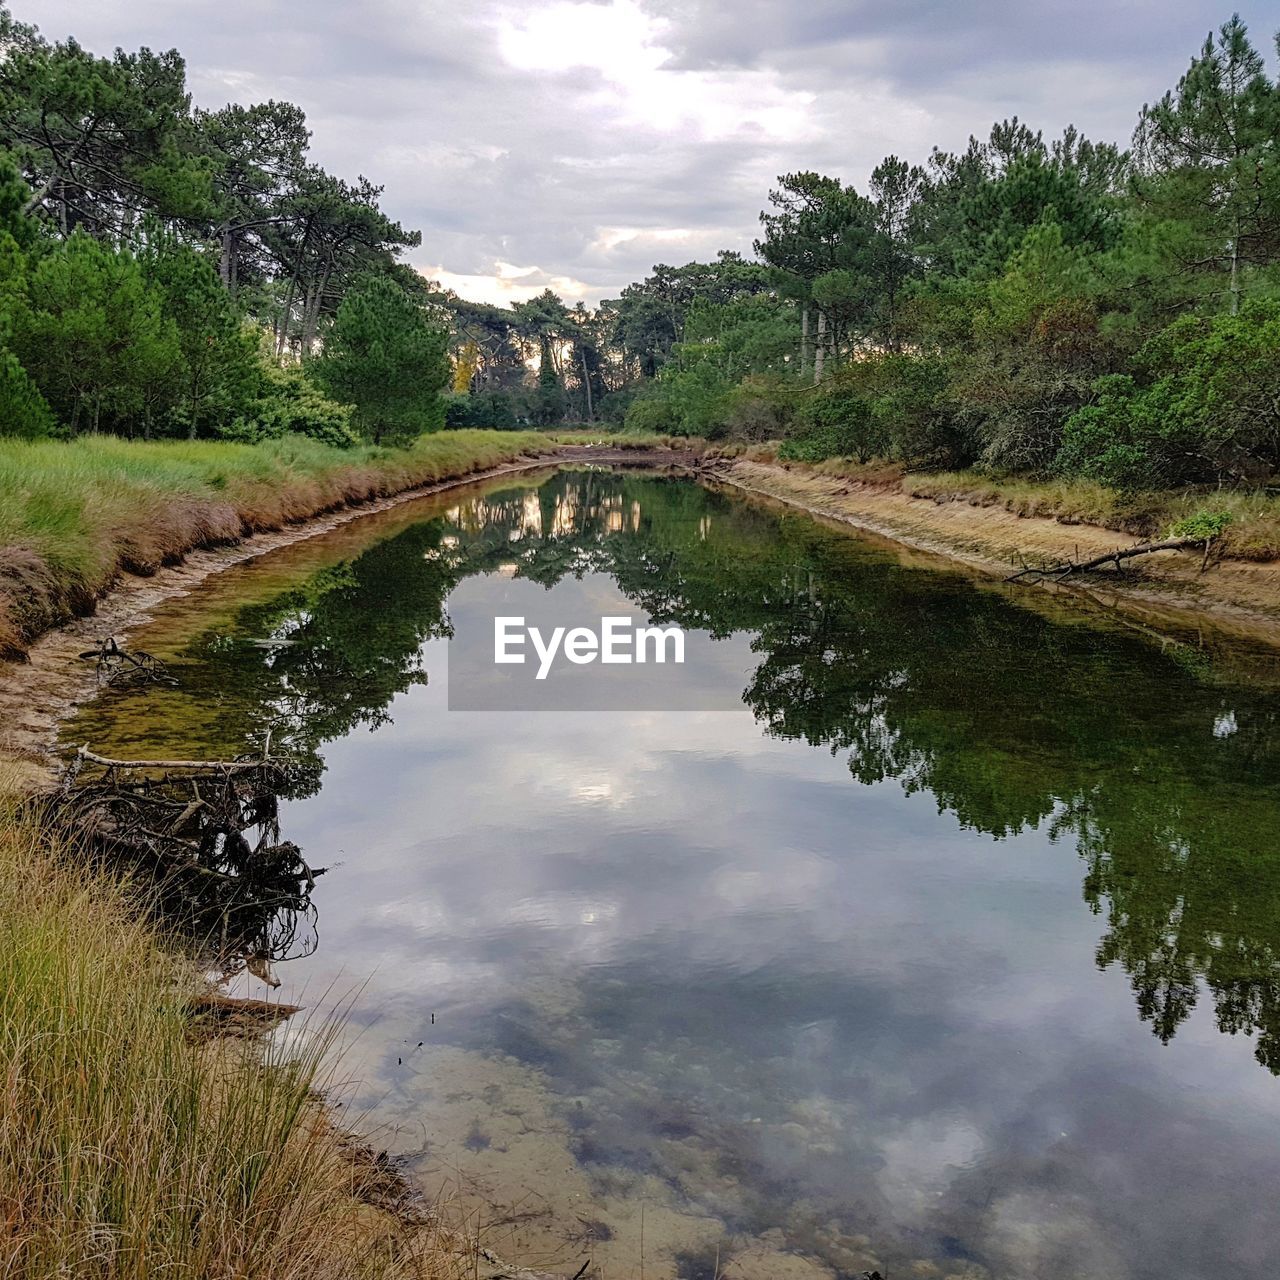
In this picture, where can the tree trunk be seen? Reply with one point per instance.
(586, 382)
(804, 341)
(282, 338)
(311, 320)
(1235, 270)
(286, 318)
(820, 348)
(225, 273)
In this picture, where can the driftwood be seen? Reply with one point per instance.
(206, 834)
(215, 1015)
(117, 666)
(1064, 568)
(179, 766)
(223, 1006)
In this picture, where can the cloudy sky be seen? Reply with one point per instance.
(573, 143)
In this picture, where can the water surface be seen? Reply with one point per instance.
(950, 950)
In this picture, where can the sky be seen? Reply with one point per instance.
(574, 143)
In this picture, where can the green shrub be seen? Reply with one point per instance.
(1202, 525)
(290, 404)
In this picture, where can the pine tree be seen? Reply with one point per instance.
(1210, 165)
(385, 359)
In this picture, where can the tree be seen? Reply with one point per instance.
(819, 241)
(382, 356)
(1037, 349)
(974, 208)
(546, 325)
(99, 138)
(1210, 167)
(896, 188)
(220, 359)
(93, 333)
(259, 154)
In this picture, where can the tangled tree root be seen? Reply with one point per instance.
(207, 835)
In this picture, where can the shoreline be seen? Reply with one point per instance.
(37, 692)
(1238, 599)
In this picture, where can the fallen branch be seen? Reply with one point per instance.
(1065, 568)
(117, 666)
(215, 1015)
(223, 1006)
(212, 766)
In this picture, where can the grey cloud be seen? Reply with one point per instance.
(496, 164)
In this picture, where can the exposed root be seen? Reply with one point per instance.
(118, 667)
(206, 833)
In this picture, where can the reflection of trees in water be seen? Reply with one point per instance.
(1166, 781)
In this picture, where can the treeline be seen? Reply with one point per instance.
(1041, 307)
(1026, 305)
(170, 271)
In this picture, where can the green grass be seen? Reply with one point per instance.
(128, 1151)
(618, 439)
(74, 514)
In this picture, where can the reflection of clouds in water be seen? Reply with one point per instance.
(744, 930)
(729, 970)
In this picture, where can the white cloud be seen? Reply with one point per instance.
(505, 284)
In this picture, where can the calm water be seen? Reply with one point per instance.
(952, 949)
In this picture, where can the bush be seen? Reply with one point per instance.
(653, 413)
(23, 410)
(291, 405)
(760, 408)
(838, 422)
(614, 405)
(1205, 407)
(1203, 524)
(492, 410)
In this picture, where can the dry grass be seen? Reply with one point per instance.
(127, 1151)
(73, 515)
(1252, 534)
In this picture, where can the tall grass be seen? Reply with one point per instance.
(73, 514)
(128, 1152)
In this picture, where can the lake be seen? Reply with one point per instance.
(923, 924)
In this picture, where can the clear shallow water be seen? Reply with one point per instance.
(952, 950)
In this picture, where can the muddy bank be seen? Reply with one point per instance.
(1240, 599)
(36, 693)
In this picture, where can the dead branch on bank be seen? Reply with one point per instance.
(120, 668)
(1065, 568)
(206, 834)
(214, 1015)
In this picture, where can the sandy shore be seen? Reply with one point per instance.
(1238, 599)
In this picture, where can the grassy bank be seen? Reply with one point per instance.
(1253, 532)
(126, 1149)
(73, 516)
